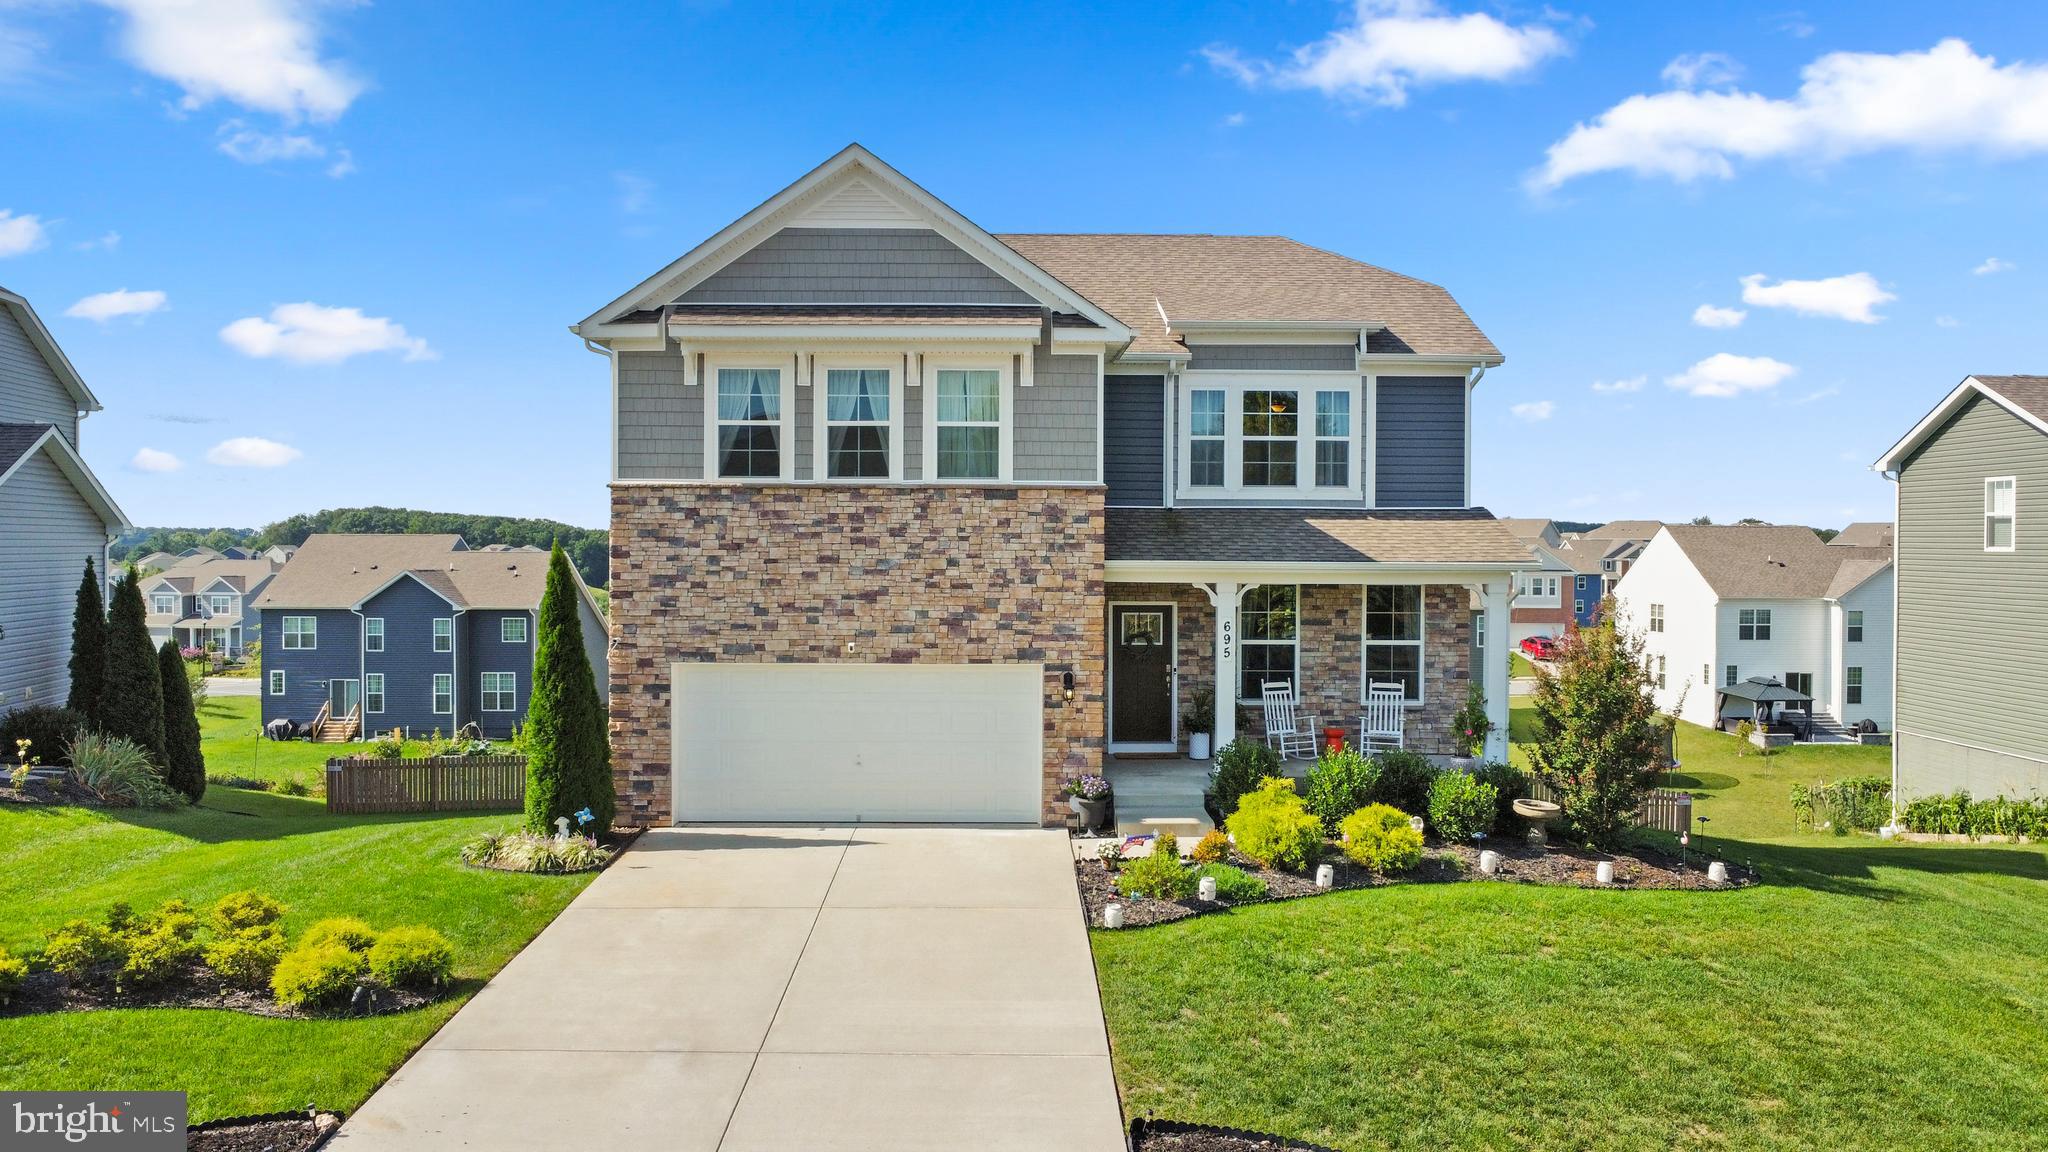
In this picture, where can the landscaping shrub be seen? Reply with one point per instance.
(83, 952)
(568, 741)
(248, 783)
(313, 974)
(344, 931)
(1509, 785)
(523, 851)
(1233, 885)
(1160, 876)
(13, 970)
(1380, 837)
(1855, 804)
(184, 761)
(1958, 815)
(132, 696)
(48, 730)
(389, 746)
(1402, 779)
(1340, 783)
(158, 955)
(241, 911)
(1461, 807)
(247, 958)
(411, 957)
(1240, 766)
(118, 771)
(1212, 848)
(1274, 826)
(1599, 735)
(88, 652)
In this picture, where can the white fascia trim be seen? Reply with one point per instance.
(405, 575)
(1386, 363)
(45, 343)
(1261, 572)
(75, 469)
(846, 333)
(1948, 407)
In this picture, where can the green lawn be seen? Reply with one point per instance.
(56, 864)
(1519, 667)
(1868, 995)
(230, 729)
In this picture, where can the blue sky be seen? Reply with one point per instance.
(370, 224)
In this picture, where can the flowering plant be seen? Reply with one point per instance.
(1470, 724)
(1087, 787)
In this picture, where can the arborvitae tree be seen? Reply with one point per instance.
(88, 647)
(132, 698)
(568, 743)
(184, 763)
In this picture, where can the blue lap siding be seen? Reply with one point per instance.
(487, 651)
(335, 656)
(409, 662)
(1586, 590)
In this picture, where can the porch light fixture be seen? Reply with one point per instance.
(1067, 687)
(1279, 407)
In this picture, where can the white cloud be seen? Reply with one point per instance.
(1631, 384)
(252, 145)
(104, 306)
(344, 163)
(636, 192)
(1816, 397)
(1848, 297)
(251, 452)
(152, 460)
(20, 52)
(309, 333)
(1234, 120)
(1993, 265)
(19, 234)
(1724, 374)
(1710, 316)
(1945, 99)
(1391, 45)
(263, 55)
(1947, 322)
(105, 242)
(1702, 70)
(1533, 410)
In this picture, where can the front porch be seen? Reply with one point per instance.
(1164, 793)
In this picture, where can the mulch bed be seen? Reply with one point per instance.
(199, 988)
(1520, 864)
(276, 1132)
(1174, 1136)
(38, 791)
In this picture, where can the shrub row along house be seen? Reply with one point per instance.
(367, 633)
(54, 513)
(914, 521)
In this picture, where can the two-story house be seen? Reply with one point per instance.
(1717, 605)
(54, 513)
(1971, 484)
(1539, 605)
(912, 521)
(209, 603)
(367, 633)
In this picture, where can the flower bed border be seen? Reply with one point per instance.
(234, 1124)
(616, 841)
(1143, 1127)
(47, 993)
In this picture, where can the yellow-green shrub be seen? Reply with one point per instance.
(1213, 848)
(1380, 837)
(248, 958)
(347, 931)
(315, 974)
(241, 911)
(411, 957)
(13, 970)
(1273, 826)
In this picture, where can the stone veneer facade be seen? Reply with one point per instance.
(792, 574)
(1332, 660)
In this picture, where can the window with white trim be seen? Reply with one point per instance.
(1852, 686)
(1660, 671)
(1656, 617)
(857, 429)
(1753, 624)
(969, 424)
(512, 630)
(1706, 674)
(1206, 440)
(163, 603)
(1269, 638)
(1333, 439)
(444, 634)
(501, 692)
(1578, 583)
(1271, 441)
(444, 693)
(1734, 676)
(749, 423)
(2001, 503)
(1393, 637)
(1852, 626)
(373, 635)
(301, 633)
(276, 682)
(220, 603)
(1578, 607)
(373, 691)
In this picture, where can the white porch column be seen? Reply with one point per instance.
(1493, 678)
(1223, 597)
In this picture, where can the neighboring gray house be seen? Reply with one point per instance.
(209, 602)
(54, 514)
(1972, 546)
(415, 632)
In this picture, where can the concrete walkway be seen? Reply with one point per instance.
(774, 988)
(234, 686)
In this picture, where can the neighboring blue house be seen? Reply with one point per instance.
(415, 633)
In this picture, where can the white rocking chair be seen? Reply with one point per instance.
(1379, 729)
(1289, 731)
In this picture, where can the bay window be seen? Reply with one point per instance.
(1393, 637)
(748, 429)
(1269, 638)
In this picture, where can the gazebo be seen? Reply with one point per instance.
(1764, 697)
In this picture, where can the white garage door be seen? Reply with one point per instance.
(914, 742)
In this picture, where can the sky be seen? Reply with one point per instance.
(317, 255)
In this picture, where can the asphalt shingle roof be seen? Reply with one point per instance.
(2028, 392)
(1772, 562)
(1866, 534)
(1312, 536)
(333, 570)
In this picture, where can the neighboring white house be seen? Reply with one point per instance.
(1539, 606)
(1717, 605)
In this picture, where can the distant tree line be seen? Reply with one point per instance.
(1825, 534)
(589, 549)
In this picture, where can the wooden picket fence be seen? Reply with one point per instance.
(1662, 810)
(359, 785)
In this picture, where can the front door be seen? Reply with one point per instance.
(1141, 676)
(343, 696)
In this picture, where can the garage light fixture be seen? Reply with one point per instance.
(1067, 687)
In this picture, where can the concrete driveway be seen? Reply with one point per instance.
(775, 988)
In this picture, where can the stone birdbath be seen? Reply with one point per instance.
(1539, 814)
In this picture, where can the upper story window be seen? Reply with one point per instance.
(1333, 439)
(1205, 438)
(1534, 587)
(373, 634)
(512, 630)
(301, 632)
(163, 603)
(1753, 624)
(1656, 617)
(1579, 583)
(444, 634)
(1270, 437)
(220, 604)
(1853, 627)
(2001, 500)
(858, 436)
(749, 425)
(968, 424)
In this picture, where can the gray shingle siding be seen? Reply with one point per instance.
(47, 531)
(1273, 357)
(1134, 440)
(1972, 627)
(30, 392)
(336, 655)
(1420, 442)
(1055, 436)
(661, 421)
(856, 266)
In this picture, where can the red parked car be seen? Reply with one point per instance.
(1539, 647)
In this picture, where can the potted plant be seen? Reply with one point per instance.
(1198, 721)
(1470, 727)
(1088, 796)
